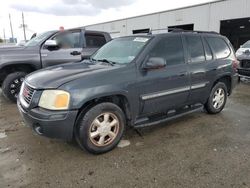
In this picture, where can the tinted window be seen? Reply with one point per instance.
(195, 48)
(68, 40)
(171, 49)
(95, 41)
(219, 47)
(208, 52)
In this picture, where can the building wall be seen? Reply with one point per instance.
(205, 17)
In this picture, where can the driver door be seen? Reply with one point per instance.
(69, 49)
(168, 87)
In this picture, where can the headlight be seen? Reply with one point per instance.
(54, 100)
(238, 53)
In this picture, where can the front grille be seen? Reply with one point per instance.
(245, 64)
(244, 72)
(27, 93)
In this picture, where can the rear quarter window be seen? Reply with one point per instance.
(94, 40)
(219, 46)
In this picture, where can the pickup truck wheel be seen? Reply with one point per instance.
(217, 99)
(101, 128)
(12, 84)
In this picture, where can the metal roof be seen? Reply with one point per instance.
(171, 10)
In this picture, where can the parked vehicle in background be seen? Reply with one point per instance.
(136, 80)
(243, 55)
(47, 49)
(245, 48)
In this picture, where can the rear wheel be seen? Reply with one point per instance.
(217, 99)
(100, 129)
(12, 84)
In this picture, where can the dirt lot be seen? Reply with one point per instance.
(198, 150)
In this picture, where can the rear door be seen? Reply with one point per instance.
(167, 87)
(198, 67)
(70, 45)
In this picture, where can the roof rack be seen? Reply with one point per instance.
(151, 30)
(177, 30)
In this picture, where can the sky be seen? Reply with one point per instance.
(44, 15)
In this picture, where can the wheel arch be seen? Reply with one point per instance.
(11, 68)
(227, 80)
(118, 99)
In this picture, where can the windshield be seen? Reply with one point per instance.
(121, 50)
(39, 38)
(246, 45)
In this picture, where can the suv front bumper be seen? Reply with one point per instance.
(53, 124)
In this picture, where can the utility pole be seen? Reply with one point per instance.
(11, 29)
(4, 38)
(24, 32)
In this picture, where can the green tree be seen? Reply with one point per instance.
(1, 40)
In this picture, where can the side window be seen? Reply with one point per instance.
(94, 41)
(171, 49)
(208, 52)
(219, 46)
(195, 48)
(67, 40)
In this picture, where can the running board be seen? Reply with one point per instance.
(146, 122)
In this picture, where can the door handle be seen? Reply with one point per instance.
(181, 74)
(75, 53)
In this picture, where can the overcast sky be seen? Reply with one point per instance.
(42, 15)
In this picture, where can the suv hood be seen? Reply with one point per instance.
(54, 77)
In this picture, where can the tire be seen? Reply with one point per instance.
(217, 99)
(102, 140)
(12, 84)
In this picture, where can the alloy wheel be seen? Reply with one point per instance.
(218, 98)
(15, 86)
(104, 129)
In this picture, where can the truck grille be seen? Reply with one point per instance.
(245, 64)
(27, 93)
(244, 72)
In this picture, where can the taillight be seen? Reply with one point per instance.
(235, 65)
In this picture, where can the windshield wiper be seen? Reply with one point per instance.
(105, 61)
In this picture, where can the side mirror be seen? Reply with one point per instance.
(154, 63)
(51, 43)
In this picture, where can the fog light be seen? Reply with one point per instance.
(38, 129)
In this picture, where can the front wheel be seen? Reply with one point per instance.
(217, 99)
(12, 84)
(100, 129)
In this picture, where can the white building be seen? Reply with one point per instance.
(229, 17)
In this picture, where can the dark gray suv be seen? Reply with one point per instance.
(136, 81)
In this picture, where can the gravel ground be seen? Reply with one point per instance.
(198, 150)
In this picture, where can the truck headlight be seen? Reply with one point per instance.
(54, 100)
(238, 53)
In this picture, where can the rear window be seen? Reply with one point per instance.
(195, 48)
(94, 41)
(219, 46)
